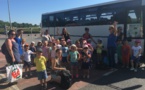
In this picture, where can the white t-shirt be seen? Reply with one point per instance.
(136, 50)
(27, 55)
(46, 38)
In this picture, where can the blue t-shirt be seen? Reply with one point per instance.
(74, 56)
(64, 51)
(19, 41)
(111, 40)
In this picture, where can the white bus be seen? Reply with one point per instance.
(130, 15)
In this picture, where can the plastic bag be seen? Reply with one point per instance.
(14, 72)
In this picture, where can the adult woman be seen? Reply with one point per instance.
(120, 35)
(111, 44)
(56, 67)
(65, 35)
(13, 55)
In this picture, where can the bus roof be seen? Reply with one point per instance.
(89, 6)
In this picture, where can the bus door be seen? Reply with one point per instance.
(134, 26)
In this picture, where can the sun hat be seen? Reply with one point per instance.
(137, 41)
(26, 45)
(33, 42)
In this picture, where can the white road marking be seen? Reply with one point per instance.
(110, 72)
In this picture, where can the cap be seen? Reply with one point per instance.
(26, 45)
(39, 50)
(68, 40)
(33, 42)
(137, 41)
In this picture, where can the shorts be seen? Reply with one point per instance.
(135, 59)
(42, 75)
(85, 65)
(27, 64)
(64, 59)
(74, 64)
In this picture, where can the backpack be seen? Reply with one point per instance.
(4, 49)
(65, 79)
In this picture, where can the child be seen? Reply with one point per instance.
(53, 52)
(23, 43)
(69, 43)
(119, 51)
(40, 62)
(39, 45)
(58, 44)
(136, 53)
(65, 50)
(86, 55)
(99, 51)
(79, 49)
(126, 52)
(73, 58)
(27, 60)
(45, 49)
(78, 44)
(33, 49)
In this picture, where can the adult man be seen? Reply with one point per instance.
(18, 39)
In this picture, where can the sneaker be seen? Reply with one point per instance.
(131, 68)
(77, 75)
(88, 76)
(135, 70)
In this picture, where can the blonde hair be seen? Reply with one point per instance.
(74, 46)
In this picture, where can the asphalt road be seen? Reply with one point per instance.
(122, 79)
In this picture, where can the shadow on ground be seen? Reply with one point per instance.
(122, 74)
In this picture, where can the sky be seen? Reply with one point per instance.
(30, 11)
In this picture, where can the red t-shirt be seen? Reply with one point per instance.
(126, 50)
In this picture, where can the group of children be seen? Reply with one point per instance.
(74, 56)
(128, 55)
